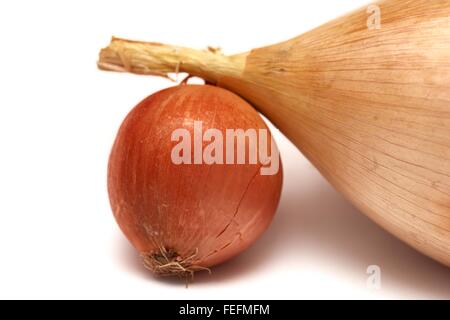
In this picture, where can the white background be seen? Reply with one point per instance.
(59, 116)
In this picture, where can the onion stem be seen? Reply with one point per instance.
(151, 58)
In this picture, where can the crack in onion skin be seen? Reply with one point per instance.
(215, 211)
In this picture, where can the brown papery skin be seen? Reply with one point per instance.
(204, 213)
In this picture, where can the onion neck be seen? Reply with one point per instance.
(150, 58)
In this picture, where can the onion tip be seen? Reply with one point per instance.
(168, 263)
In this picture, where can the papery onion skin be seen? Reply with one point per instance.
(201, 215)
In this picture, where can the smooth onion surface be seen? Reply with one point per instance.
(183, 218)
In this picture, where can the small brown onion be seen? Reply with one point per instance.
(188, 217)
